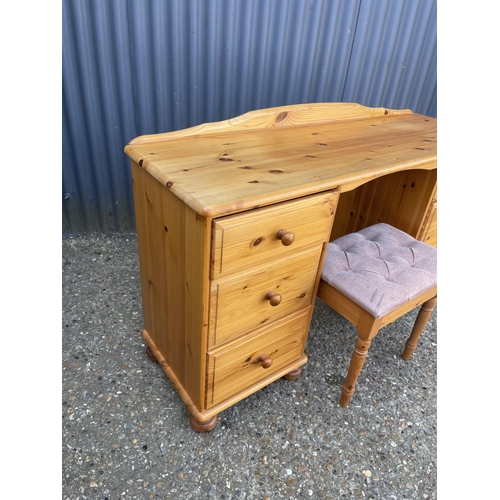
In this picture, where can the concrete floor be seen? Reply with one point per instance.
(125, 430)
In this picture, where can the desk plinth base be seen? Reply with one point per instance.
(202, 421)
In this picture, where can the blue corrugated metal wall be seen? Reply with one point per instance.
(148, 66)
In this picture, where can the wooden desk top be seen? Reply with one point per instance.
(271, 155)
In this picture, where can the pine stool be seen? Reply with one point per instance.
(373, 277)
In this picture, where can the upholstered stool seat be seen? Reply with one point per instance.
(374, 276)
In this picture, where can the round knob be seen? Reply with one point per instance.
(273, 298)
(285, 237)
(265, 361)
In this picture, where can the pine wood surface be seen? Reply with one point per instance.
(429, 226)
(233, 219)
(227, 168)
(238, 366)
(362, 319)
(202, 415)
(368, 327)
(173, 245)
(249, 239)
(280, 116)
(293, 279)
(401, 199)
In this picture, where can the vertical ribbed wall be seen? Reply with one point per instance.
(148, 66)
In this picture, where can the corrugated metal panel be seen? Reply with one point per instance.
(148, 66)
(98, 116)
(202, 61)
(394, 56)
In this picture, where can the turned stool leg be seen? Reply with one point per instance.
(418, 327)
(357, 361)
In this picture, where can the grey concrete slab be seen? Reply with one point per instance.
(125, 430)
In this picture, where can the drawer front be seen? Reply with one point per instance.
(238, 367)
(266, 294)
(253, 238)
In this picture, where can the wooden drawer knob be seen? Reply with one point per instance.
(265, 361)
(273, 298)
(285, 237)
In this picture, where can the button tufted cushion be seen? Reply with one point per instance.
(380, 268)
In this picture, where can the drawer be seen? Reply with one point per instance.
(251, 300)
(253, 238)
(238, 367)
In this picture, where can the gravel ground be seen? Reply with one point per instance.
(125, 431)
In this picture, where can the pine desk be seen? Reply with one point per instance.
(233, 219)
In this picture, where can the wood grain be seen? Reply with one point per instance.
(239, 305)
(232, 369)
(281, 116)
(233, 219)
(251, 238)
(228, 171)
(401, 199)
(173, 245)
